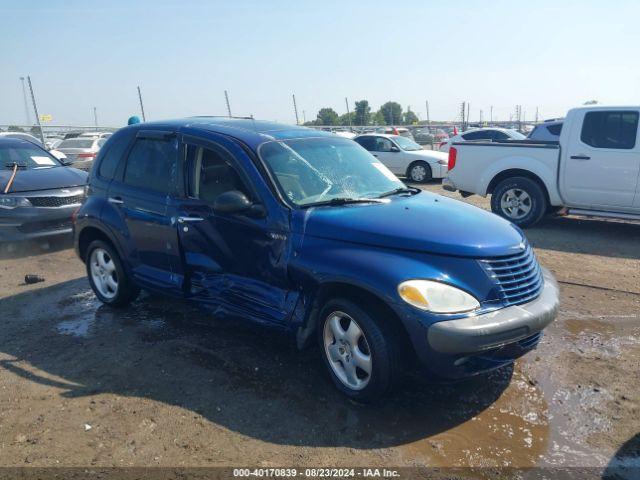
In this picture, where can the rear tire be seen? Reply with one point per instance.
(360, 352)
(107, 276)
(520, 200)
(419, 172)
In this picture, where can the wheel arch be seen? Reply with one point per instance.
(364, 297)
(91, 233)
(517, 172)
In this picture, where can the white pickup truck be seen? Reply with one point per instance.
(593, 170)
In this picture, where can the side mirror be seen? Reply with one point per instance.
(234, 201)
(394, 148)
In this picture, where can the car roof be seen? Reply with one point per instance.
(9, 141)
(376, 134)
(251, 132)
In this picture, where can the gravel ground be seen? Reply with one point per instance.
(163, 384)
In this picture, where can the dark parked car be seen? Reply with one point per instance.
(307, 232)
(37, 193)
(549, 131)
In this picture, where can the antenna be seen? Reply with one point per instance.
(226, 97)
(144, 119)
(35, 108)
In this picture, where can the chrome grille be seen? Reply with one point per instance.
(518, 276)
(55, 201)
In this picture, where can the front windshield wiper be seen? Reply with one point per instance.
(396, 191)
(343, 201)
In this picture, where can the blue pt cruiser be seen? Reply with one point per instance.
(308, 232)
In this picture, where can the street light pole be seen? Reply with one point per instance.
(35, 108)
(144, 119)
(26, 103)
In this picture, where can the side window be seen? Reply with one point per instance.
(113, 152)
(382, 144)
(610, 129)
(212, 173)
(369, 143)
(555, 129)
(151, 164)
(477, 135)
(496, 135)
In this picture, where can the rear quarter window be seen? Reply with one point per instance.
(610, 129)
(112, 153)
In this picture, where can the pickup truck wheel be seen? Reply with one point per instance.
(519, 200)
(419, 172)
(360, 353)
(107, 277)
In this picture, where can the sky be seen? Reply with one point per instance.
(552, 55)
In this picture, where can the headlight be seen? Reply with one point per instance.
(13, 202)
(436, 297)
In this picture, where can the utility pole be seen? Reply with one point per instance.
(35, 109)
(468, 110)
(295, 109)
(480, 117)
(536, 114)
(463, 110)
(144, 119)
(491, 115)
(304, 116)
(428, 119)
(226, 97)
(26, 103)
(95, 117)
(348, 112)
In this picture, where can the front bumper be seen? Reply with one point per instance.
(27, 223)
(495, 329)
(463, 347)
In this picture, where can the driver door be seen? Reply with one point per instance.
(233, 262)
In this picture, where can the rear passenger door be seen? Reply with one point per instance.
(138, 196)
(601, 162)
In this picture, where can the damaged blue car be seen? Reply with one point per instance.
(307, 232)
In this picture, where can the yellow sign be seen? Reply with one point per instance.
(46, 118)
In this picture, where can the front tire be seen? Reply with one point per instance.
(419, 172)
(520, 200)
(359, 351)
(107, 276)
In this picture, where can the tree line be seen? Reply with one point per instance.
(390, 113)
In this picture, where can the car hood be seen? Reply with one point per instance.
(42, 179)
(430, 155)
(425, 222)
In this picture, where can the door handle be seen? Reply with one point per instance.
(115, 200)
(190, 219)
(580, 157)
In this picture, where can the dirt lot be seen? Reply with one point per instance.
(162, 384)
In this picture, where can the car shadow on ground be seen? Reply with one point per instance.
(246, 379)
(625, 464)
(608, 238)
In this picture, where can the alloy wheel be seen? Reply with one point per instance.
(103, 273)
(347, 350)
(516, 203)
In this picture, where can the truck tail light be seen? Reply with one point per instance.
(453, 154)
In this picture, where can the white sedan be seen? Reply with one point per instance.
(405, 157)
(482, 134)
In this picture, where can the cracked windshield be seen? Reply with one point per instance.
(315, 170)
